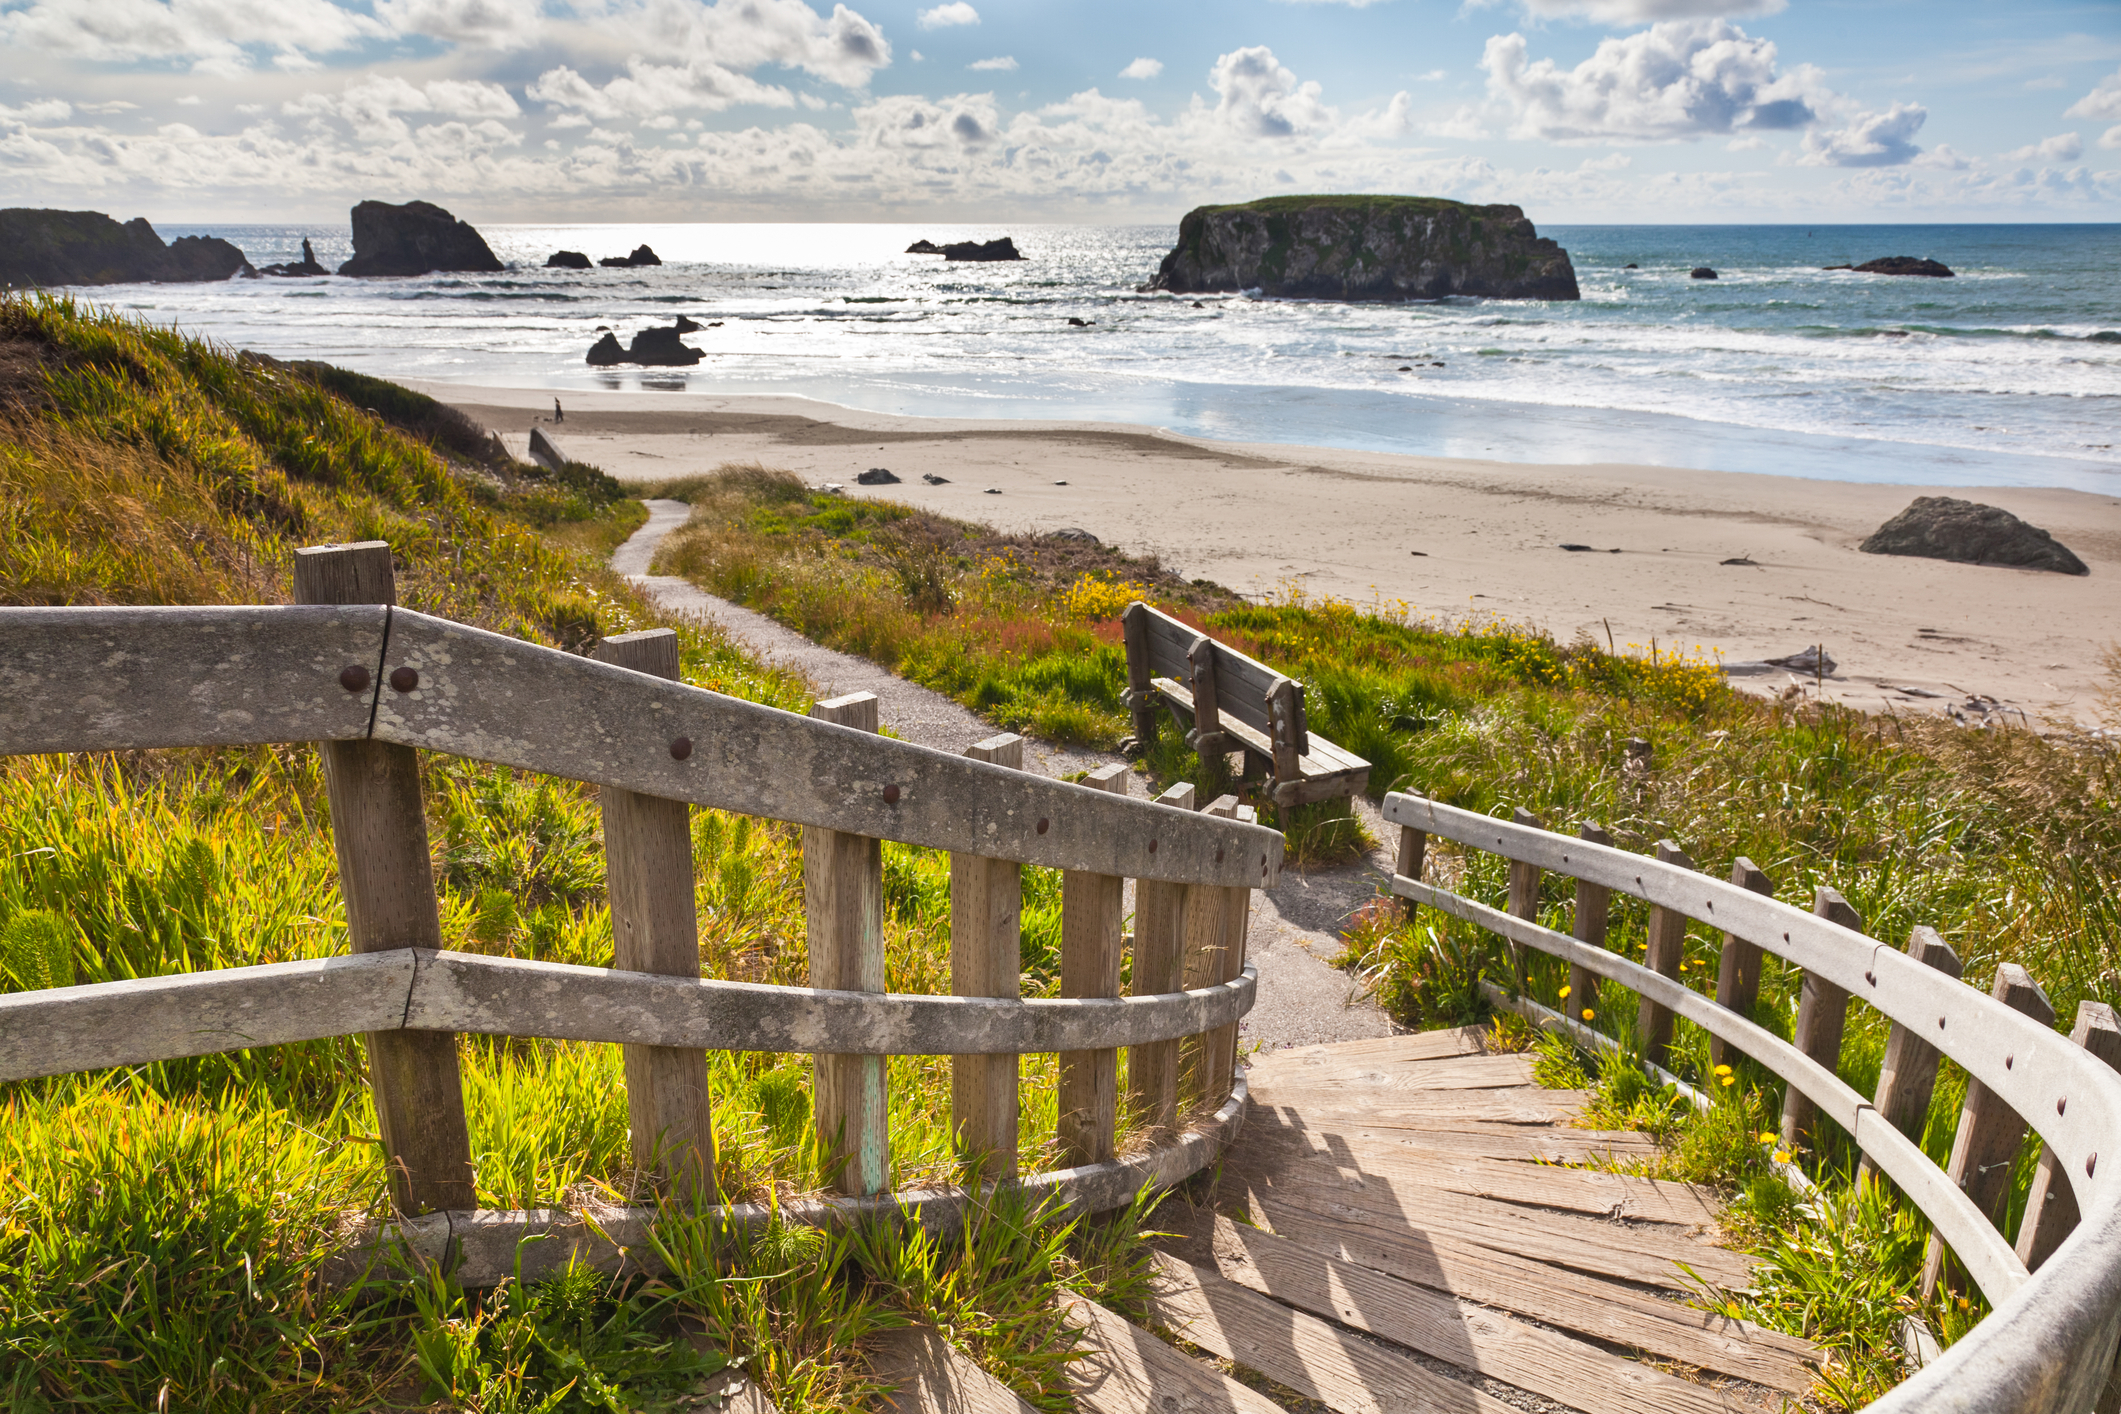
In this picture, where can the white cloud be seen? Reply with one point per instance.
(1351, 4)
(1000, 64)
(1464, 124)
(497, 24)
(1636, 12)
(1941, 158)
(1262, 98)
(2111, 138)
(2102, 104)
(370, 107)
(944, 16)
(213, 36)
(2047, 81)
(190, 100)
(646, 90)
(1142, 69)
(1868, 140)
(39, 113)
(1432, 76)
(2063, 147)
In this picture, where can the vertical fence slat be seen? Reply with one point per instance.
(1206, 737)
(1594, 904)
(1738, 962)
(843, 898)
(654, 928)
(2051, 1212)
(1524, 894)
(1822, 1017)
(1205, 962)
(1909, 1074)
(1666, 947)
(1284, 711)
(379, 832)
(1232, 921)
(1160, 910)
(1090, 962)
(1412, 855)
(1985, 1148)
(1141, 698)
(986, 960)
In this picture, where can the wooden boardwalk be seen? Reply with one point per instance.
(1409, 1242)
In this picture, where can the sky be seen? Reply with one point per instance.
(990, 111)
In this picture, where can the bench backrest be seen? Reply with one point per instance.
(1244, 687)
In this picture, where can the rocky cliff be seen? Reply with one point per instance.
(89, 248)
(1365, 248)
(414, 239)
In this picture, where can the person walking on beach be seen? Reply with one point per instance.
(557, 415)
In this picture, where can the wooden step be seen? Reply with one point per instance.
(1415, 1045)
(1318, 1360)
(929, 1375)
(1411, 1109)
(1129, 1371)
(1472, 1337)
(1370, 1076)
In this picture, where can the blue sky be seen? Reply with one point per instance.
(1029, 110)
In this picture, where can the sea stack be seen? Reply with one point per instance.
(417, 238)
(1365, 248)
(89, 248)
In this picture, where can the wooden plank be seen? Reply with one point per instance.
(986, 960)
(1415, 1109)
(1666, 949)
(929, 1375)
(1325, 773)
(1346, 1373)
(648, 869)
(1822, 1017)
(1457, 1073)
(1472, 1337)
(1159, 966)
(1908, 1075)
(1206, 737)
(379, 834)
(112, 679)
(491, 698)
(1990, 1135)
(1604, 1310)
(1412, 1046)
(1408, 859)
(1090, 963)
(1229, 919)
(1141, 701)
(1648, 1254)
(1737, 962)
(1244, 681)
(2051, 1212)
(1285, 713)
(1594, 906)
(843, 902)
(1589, 1191)
(1523, 899)
(1129, 1371)
(1448, 1138)
(139, 1020)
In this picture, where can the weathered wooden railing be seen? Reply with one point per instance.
(371, 683)
(2049, 1343)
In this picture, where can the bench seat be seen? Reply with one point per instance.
(1327, 771)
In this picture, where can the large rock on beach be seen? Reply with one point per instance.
(417, 238)
(89, 248)
(1899, 265)
(1365, 248)
(1946, 528)
(659, 347)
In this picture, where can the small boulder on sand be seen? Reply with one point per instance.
(877, 476)
(1946, 528)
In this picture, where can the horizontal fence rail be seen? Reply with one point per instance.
(369, 683)
(137, 1022)
(2049, 1343)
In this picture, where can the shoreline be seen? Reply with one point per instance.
(1453, 537)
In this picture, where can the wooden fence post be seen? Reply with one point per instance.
(1141, 698)
(1407, 863)
(1593, 905)
(1230, 920)
(1160, 910)
(1985, 1148)
(655, 928)
(1091, 907)
(1822, 1017)
(1666, 947)
(1909, 1074)
(986, 960)
(1738, 963)
(1284, 711)
(386, 875)
(1524, 895)
(2051, 1212)
(1207, 737)
(843, 901)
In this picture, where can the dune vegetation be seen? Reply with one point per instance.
(164, 1228)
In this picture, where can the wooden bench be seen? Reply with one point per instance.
(1232, 703)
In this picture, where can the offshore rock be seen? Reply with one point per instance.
(1701, 272)
(1946, 528)
(641, 255)
(1365, 248)
(661, 347)
(89, 248)
(1003, 248)
(567, 260)
(414, 239)
(307, 265)
(1899, 265)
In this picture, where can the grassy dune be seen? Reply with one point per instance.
(163, 1226)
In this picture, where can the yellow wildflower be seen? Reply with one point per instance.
(1587, 1013)
(1767, 1136)
(1564, 992)
(1730, 1080)
(1782, 1156)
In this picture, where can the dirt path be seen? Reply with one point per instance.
(1302, 1001)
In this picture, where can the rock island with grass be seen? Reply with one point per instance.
(90, 248)
(1365, 248)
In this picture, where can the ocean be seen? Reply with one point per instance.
(2008, 374)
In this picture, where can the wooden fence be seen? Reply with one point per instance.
(2049, 1344)
(373, 684)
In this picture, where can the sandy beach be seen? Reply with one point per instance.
(1452, 537)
